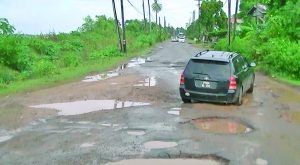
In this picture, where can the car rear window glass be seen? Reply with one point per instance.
(207, 67)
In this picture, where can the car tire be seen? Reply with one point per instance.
(239, 100)
(250, 90)
(186, 100)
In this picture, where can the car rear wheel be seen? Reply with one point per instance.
(239, 101)
(186, 100)
(251, 87)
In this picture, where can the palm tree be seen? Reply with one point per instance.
(156, 7)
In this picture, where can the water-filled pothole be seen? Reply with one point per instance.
(99, 77)
(148, 82)
(136, 132)
(159, 144)
(221, 125)
(82, 107)
(174, 112)
(5, 138)
(166, 162)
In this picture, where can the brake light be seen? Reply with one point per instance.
(232, 83)
(182, 80)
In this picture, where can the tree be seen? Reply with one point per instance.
(5, 27)
(156, 7)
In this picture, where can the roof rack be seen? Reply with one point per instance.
(201, 52)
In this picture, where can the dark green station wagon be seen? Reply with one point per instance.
(217, 76)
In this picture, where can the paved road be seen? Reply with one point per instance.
(135, 112)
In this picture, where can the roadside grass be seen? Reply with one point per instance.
(69, 74)
(201, 44)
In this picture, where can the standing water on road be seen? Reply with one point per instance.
(82, 107)
(220, 126)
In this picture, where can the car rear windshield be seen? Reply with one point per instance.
(215, 69)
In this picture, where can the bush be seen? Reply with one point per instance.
(45, 47)
(15, 54)
(71, 59)
(109, 51)
(6, 75)
(43, 68)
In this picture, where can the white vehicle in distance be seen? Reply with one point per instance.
(181, 37)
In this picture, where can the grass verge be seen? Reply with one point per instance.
(68, 74)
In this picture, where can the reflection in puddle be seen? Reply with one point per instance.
(159, 144)
(137, 61)
(260, 161)
(148, 82)
(167, 161)
(291, 116)
(220, 126)
(84, 145)
(82, 107)
(5, 138)
(109, 125)
(101, 76)
(174, 112)
(176, 108)
(136, 133)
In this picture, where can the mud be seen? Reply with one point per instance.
(221, 126)
(291, 116)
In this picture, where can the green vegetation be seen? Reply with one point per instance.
(272, 42)
(31, 61)
(211, 23)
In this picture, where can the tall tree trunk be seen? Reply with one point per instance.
(156, 17)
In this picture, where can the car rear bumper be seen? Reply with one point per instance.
(229, 97)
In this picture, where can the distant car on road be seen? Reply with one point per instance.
(174, 39)
(217, 76)
(181, 39)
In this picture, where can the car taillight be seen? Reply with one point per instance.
(232, 83)
(182, 80)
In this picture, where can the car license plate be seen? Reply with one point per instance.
(205, 84)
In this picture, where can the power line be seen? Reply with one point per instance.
(135, 8)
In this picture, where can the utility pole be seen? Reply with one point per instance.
(117, 24)
(145, 21)
(229, 21)
(165, 22)
(199, 7)
(149, 16)
(235, 19)
(194, 15)
(123, 28)
(159, 21)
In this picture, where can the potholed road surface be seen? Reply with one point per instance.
(135, 112)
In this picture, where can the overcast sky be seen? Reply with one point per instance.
(43, 16)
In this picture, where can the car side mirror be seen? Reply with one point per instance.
(252, 64)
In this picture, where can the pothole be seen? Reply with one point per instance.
(159, 144)
(99, 77)
(167, 161)
(5, 138)
(137, 61)
(148, 82)
(174, 112)
(85, 145)
(136, 132)
(291, 116)
(87, 106)
(260, 161)
(221, 125)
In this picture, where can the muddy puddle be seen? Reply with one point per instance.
(220, 126)
(291, 116)
(159, 144)
(148, 82)
(167, 162)
(260, 161)
(99, 77)
(82, 107)
(114, 73)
